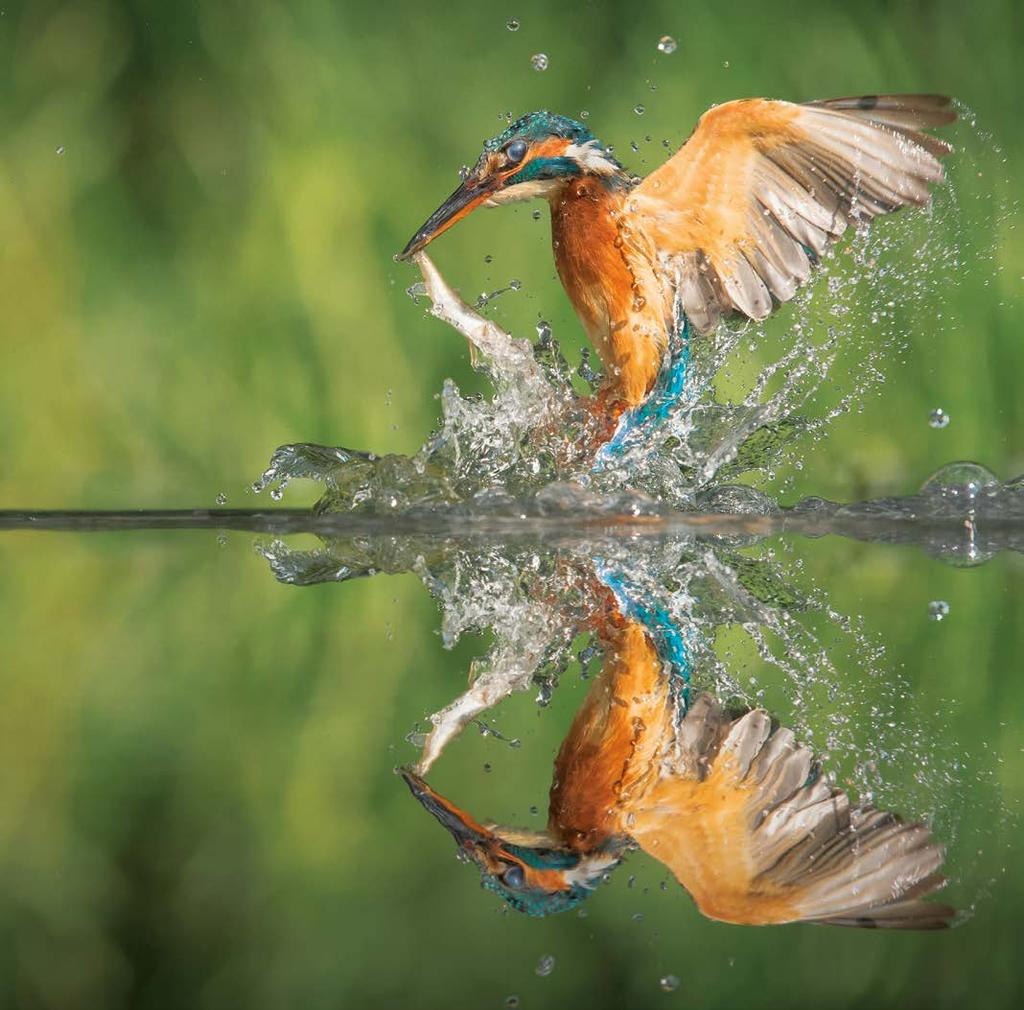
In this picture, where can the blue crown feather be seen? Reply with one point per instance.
(537, 126)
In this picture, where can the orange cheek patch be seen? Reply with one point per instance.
(547, 880)
(553, 147)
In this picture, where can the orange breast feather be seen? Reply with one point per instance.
(611, 755)
(609, 271)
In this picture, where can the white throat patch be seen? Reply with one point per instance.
(531, 190)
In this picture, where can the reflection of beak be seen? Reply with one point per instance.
(469, 195)
(467, 832)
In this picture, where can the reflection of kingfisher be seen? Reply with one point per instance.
(732, 805)
(730, 224)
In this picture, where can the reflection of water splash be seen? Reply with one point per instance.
(741, 627)
(536, 603)
(734, 413)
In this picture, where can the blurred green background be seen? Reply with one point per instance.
(199, 203)
(206, 271)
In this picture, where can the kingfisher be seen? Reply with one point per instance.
(731, 803)
(731, 225)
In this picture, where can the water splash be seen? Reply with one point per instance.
(752, 402)
(756, 635)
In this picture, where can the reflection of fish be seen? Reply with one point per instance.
(732, 223)
(734, 806)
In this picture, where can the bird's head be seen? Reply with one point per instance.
(536, 156)
(530, 872)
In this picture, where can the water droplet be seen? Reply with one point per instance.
(725, 65)
(544, 330)
(545, 966)
(938, 609)
(584, 114)
(488, 258)
(515, 285)
(938, 418)
(222, 498)
(669, 983)
(277, 493)
(539, 61)
(512, 1002)
(639, 109)
(536, 215)
(487, 766)
(962, 482)
(667, 44)
(512, 25)
(60, 149)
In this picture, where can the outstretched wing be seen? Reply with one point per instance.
(761, 188)
(755, 837)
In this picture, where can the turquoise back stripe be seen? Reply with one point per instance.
(670, 641)
(636, 424)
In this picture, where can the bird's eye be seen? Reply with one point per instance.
(516, 151)
(513, 876)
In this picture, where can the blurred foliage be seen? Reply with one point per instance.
(206, 271)
(199, 203)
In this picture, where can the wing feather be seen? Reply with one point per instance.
(756, 836)
(762, 186)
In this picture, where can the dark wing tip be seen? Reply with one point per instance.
(926, 916)
(924, 109)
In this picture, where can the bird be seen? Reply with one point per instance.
(731, 225)
(730, 802)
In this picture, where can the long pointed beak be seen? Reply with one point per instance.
(466, 831)
(469, 195)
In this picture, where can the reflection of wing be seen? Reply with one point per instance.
(762, 186)
(756, 838)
